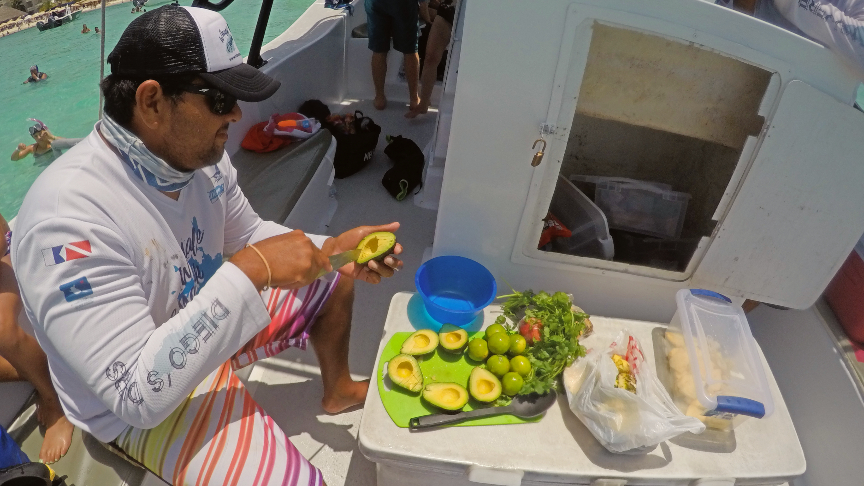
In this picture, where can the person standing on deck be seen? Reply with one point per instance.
(399, 20)
(119, 247)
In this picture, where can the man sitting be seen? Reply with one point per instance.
(119, 245)
(22, 359)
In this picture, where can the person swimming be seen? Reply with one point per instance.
(35, 75)
(42, 146)
(85, 30)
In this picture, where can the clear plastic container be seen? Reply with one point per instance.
(599, 179)
(586, 222)
(717, 371)
(642, 207)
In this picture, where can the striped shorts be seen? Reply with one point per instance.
(219, 434)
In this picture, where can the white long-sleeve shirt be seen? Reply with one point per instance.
(112, 275)
(837, 24)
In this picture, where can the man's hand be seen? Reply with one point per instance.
(372, 271)
(294, 261)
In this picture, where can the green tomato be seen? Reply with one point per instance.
(517, 344)
(495, 329)
(511, 383)
(520, 365)
(478, 350)
(498, 365)
(499, 343)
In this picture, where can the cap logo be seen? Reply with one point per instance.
(229, 44)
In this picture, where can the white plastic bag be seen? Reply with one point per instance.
(621, 420)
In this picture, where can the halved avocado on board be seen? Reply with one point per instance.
(376, 246)
(484, 386)
(405, 372)
(453, 339)
(449, 396)
(421, 342)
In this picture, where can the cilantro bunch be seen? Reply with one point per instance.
(559, 345)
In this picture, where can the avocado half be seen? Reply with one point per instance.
(376, 246)
(453, 339)
(449, 396)
(421, 342)
(484, 386)
(405, 372)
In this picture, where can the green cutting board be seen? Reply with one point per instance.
(403, 405)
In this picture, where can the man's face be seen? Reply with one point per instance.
(195, 136)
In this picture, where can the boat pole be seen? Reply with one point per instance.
(102, 59)
(254, 58)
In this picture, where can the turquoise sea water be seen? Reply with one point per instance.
(68, 101)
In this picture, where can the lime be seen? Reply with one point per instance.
(498, 365)
(517, 344)
(511, 383)
(498, 343)
(494, 329)
(520, 365)
(478, 350)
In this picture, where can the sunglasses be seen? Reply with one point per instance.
(220, 103)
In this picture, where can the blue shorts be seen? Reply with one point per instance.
(396, 19)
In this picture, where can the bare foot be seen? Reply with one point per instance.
(380, 103)
(58, 432)
(345, 397)
(416, 111)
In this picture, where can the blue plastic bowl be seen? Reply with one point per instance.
(454, 289)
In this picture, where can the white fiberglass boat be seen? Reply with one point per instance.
(752, 123)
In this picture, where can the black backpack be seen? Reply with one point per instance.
(407, 170)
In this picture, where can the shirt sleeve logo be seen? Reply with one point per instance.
(63, 253)
(76, 289)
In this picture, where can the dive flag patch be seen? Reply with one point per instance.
(64, 253)
(76, 289)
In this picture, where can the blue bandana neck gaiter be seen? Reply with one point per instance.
(144, 163)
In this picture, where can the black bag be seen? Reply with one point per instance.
(355, 150)
(30, 474)
(315, 109)
(407, 171)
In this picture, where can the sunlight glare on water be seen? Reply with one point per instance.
(68, 101)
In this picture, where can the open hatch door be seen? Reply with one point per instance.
(800, 208)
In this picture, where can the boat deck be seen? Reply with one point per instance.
(289, 385)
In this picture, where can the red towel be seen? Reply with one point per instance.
(257, 140)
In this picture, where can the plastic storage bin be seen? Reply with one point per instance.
(599, 179)
(642, 207)
(845, 294)
(586, 222)
(715, 361)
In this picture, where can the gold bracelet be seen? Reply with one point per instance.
(269, 275)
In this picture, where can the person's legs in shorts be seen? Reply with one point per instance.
(439, 38)
(379, 26)
(406, 33)
(220, 432)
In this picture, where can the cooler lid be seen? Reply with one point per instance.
(797, 214)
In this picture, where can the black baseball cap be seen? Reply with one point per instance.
(188, 40)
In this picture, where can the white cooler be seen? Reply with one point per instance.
(559, 449)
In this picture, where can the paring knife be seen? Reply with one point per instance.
(339, 260)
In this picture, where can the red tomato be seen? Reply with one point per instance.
(530, 330)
